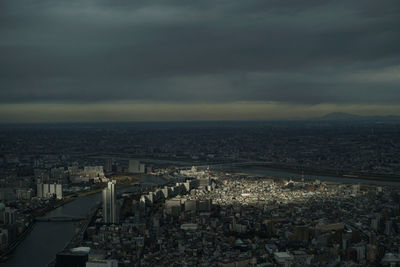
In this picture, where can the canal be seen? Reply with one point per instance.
(48, 238)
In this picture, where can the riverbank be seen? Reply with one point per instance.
(6, 254)
(39, 213)
(79, 235)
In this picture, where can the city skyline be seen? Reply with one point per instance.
(221, 193)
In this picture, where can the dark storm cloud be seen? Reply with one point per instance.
(190, 51)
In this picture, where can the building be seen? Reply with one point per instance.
(8, 216)
(189, 226)
(136, 167)
(41, 175)
(142, 168)
(391, 259)
(191, 205)
(93, 172)
(3, 239)
(39, 190)
(52, 189)
(58, 174)
(205, 205)
(76, 257)
(49, 190)
(102, 263)
(23, 194)
(108, 165)
(7, 194)
(149, 169)
(110, 205)
(283, 258)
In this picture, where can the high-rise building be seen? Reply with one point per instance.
(49, 190)
(133, 166)
(59, 193)
(136, 167)
(9, 216)
(46, 190)
(110, 206)
(108, 165)
(52, 189)
(142, 168)
(39, 190)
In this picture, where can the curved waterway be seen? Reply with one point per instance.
(48, 238)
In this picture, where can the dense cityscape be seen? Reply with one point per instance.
(206, 133)
(338, 147)
(224, 212)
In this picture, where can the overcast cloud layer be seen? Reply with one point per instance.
(294, 52)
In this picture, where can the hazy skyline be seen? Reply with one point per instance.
(209, 60)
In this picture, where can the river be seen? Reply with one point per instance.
(297, 176)
(48, 238)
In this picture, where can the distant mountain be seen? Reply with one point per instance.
(339, 116)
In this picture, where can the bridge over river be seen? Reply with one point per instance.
(59, 218)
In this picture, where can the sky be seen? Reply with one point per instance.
(123, 60)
